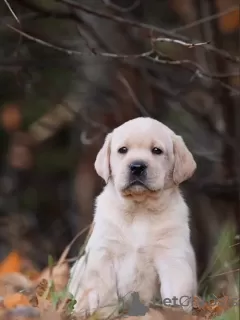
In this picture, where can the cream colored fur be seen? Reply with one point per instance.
(141, 237)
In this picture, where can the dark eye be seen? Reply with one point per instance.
(157, 151)
(122, 150)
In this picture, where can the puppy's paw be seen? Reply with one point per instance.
(90, 302)
(186, 303)
(86, 302)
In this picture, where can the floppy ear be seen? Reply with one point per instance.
(102, 162)
(184, 165)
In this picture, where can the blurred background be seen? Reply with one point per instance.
(72, 70)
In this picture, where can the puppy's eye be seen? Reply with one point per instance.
(122, 150)
(157, 151)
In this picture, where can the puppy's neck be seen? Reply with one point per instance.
(148, 202)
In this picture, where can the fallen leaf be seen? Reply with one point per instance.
(11, 283)
(15, 300)
(41, 297)
(12, 263)
(42, 288)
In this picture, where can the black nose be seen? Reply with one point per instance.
(138, 167)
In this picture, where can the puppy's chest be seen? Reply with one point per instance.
(138, 234)
(134, 237)
(133, 256)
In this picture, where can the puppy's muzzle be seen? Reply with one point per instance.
(137, 173)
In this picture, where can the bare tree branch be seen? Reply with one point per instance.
(151, 55)
(42, 42)
(33, 6)
(206, 19)
(113, 6)
(132, 94)
(11, 10)
(199, 71)
(183, 43)
(76, 52)
(145, 26)
(204, 117)
(72, 16)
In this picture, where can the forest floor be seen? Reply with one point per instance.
(30, 294)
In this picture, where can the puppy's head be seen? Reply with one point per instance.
(144, 156)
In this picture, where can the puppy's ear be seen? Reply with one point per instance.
(102, 162)
(184, 165)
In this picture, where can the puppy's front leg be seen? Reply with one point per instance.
(92, 284)
(177, 274)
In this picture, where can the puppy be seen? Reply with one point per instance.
(141, 238)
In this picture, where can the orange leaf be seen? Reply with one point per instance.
(230, 21)
(11, 117)
(11, 264)
(15, 300)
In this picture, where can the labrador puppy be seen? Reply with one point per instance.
(141, 238)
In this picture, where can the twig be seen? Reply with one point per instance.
(42, 42)
(23, 17)
(63, 257)
(198, 69)
(75, 17)
(130, 8)
(45, 12)
(76, 52)
(204, 117)
(200, 72)
(131, 93)
(11, 10)
(234, 245)
(85, 39)
(145, 26)
(205, 19)
(224, 273)
(234, 92)
(146, 54)
(74, 259)
(183, 43)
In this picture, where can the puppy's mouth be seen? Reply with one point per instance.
(137, 185)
